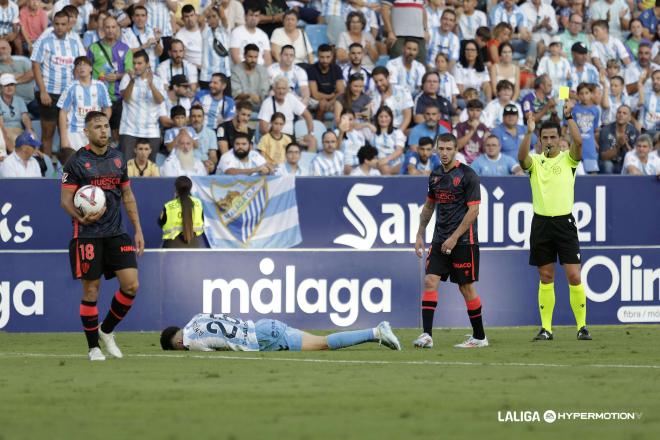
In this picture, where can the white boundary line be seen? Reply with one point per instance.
(340, 361)
(407, 249)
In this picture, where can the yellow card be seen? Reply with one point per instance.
(564, 91)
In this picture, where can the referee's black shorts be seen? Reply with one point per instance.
(462, 265)
(552, 237)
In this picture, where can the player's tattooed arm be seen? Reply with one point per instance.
(424, 218)
(132, 211)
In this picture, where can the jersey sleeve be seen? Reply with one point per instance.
(71, 177)
(472, 189)
(125, 180)
(430, 195)
(65, 98)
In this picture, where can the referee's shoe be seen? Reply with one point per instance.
(583, 334)
(544, 335)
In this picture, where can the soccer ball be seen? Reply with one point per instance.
(89, 199)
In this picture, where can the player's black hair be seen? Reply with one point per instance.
(187, 9)
(177, 110)
(94, 115)
(366, 152)
(425, 141)
(548, 125)
(166, 337)
(447, 137)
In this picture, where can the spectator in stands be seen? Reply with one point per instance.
(606, 47)
(9, 25)
(333, 13)
(33, 22)
(542, 20)
(444, 40)
(352, 136)
(540, 102)
(21, 162)
(291, 35)
(272, 144)
(354, 99)
(14, 113)
(325, 81)
(368, 162)
(182, 218)
(226, 133)
(218, 107)
(117, 11)
(470, 20)
(423, 161)
(249, 80)
(83, 8)
(507, 11)
(94, 30)
(615, 140)
(447, 86)
(650, 19)
(329, 161)
(110, 60)
(182, 160)
(573, 34)
(556, 66)
(179, 123)
(581, 69)
(291, 166)
(493, 163)
(21, 68)
(234, 13)
(614, 95)
(494, 110)
(430, 127)
(241, 159)
(470, 71)
(144, 95)
(649, 108)
(141, 36)
(52, 64)
(388, 141)
(615, 13)
(179, 93)
(505, 68)
(250, 34)
(357, 32)
(83, 95)
(207, 150)
(355, 66)
(643, 64)
(140, 165)
(405, 71)
(159, 19)
(215, 47)
(510, 133)
(404, 19)
(397, 98)
(471, 134)
(430, 96)
(297, 76)
(191, 36)
(587, 117)
(272, 14)
(635, 38)
(642, 161)
(501, 34)
(175, 65)
(290, 106)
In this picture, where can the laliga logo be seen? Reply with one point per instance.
(22, 231)
(495, 219)
(18, 299)
(293, 296)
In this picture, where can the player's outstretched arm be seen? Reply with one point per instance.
(523, 150)
(576, 137)
(132, 211)
(424, 218)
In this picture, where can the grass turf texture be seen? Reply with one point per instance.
(59, 394)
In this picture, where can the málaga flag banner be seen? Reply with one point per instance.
(249, 212)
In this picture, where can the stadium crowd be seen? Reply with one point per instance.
(326, 87)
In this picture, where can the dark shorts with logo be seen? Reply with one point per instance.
(92, 257)
(551, 237)
(461, 266)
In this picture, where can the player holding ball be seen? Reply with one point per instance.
(554, 232)
(100, 245)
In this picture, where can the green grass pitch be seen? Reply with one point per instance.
(49, 390)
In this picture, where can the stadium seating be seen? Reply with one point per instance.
(317, 34)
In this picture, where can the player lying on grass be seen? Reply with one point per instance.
(209, 332)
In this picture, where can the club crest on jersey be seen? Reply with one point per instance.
(88, 165)
(240, 206)
(456, 181)
(117, 162)
(65, 176)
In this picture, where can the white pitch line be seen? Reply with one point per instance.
(340, 361)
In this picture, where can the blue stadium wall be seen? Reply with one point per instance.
(355, 265)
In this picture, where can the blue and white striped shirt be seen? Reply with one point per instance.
(515, 17)
(333, 7)
(211, 61)
(8, 18)
(588, 75)
(217, 111)
(158, 17)
(79, 99)
(387, 143)
(139, 116)
(56, 58)
(132, 37)
(448, 44)
(323, 165)
(355, 139)
(468, 24)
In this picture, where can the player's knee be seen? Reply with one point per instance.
(131, 287)
(574, 278)
(430, 282)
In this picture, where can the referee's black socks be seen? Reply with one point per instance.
(474, 313)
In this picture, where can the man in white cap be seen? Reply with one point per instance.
(21, 162)
(13, 110)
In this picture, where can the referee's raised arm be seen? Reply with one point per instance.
(523, 150)
(576, 146)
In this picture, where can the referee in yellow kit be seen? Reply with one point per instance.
(554, 233)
